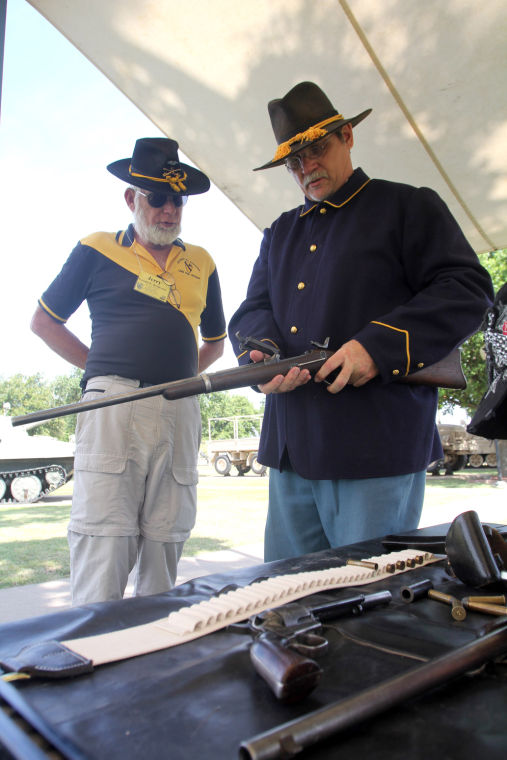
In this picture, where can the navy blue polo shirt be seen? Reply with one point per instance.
(133, 334)
(383, 263)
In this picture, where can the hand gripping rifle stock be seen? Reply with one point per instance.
(447, 374)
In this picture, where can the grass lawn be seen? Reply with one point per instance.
(33, 544)
(231, 514)
(33, 537)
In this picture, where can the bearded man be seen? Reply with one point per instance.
(149, 295)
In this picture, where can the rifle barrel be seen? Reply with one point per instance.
(224, 380)
(447, 374)
(294, 736)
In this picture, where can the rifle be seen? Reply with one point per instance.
(286, 638)
(293, 737)
(446, 373)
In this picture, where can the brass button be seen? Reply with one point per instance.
(420, 365)
(396, 371)
(301, 285)
(323, 210)
(293, 329)
(313, 247)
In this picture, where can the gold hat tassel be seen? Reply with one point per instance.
(312, 133)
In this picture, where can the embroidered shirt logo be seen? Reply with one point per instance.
(186, 266)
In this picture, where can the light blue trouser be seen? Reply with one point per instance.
(307, 516)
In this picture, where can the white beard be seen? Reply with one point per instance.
(153, 233)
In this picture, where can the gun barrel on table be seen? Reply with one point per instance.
(293, 737)
(445, 374)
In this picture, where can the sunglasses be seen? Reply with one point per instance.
(157, 200)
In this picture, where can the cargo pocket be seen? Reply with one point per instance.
(102, 435)
(187, 439)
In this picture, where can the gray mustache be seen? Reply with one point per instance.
(318, 174)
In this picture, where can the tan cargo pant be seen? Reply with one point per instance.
(135, 477)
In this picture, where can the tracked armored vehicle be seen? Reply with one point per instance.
(31, 465)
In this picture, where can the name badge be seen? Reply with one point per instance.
(152, 286)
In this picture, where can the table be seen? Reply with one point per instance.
(203, 698)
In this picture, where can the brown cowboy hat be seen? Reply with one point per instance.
(303, 116)
(155, 166)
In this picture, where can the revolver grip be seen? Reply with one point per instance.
(290, 675)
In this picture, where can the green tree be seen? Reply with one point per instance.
(25, 393)
(32, 393)
(226, 404)
(472, 354)
(66, 389)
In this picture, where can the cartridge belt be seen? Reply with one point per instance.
(54, 659)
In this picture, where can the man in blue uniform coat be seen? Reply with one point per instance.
(384, 271)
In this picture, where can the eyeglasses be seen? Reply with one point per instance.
(157, 200)
(295, 162)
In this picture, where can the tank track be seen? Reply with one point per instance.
(26, 489)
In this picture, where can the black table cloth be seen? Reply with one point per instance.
(203, 698)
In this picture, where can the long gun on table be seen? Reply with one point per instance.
(295, 736)
(446, 373)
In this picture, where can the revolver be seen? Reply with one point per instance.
(287, 638)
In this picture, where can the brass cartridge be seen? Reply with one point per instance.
(500, 599)
(458, 612)
(363, 563)
(489, 609)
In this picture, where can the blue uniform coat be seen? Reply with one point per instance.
(386, 264)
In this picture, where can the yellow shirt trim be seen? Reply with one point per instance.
(187, 270)
(50, 311)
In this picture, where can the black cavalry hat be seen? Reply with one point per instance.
(303, 116)
(155, 166)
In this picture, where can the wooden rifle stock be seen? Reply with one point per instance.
(293, 737)
(447, 374)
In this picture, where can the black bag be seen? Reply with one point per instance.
(490, 418)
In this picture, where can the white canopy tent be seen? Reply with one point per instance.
(203, 71)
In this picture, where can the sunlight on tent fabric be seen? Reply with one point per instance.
(217, 44)
(204, 71)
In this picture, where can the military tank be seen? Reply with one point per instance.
(31, 465)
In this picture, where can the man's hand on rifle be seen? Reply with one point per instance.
(352, 362)
(355, 365)
(281, 383)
